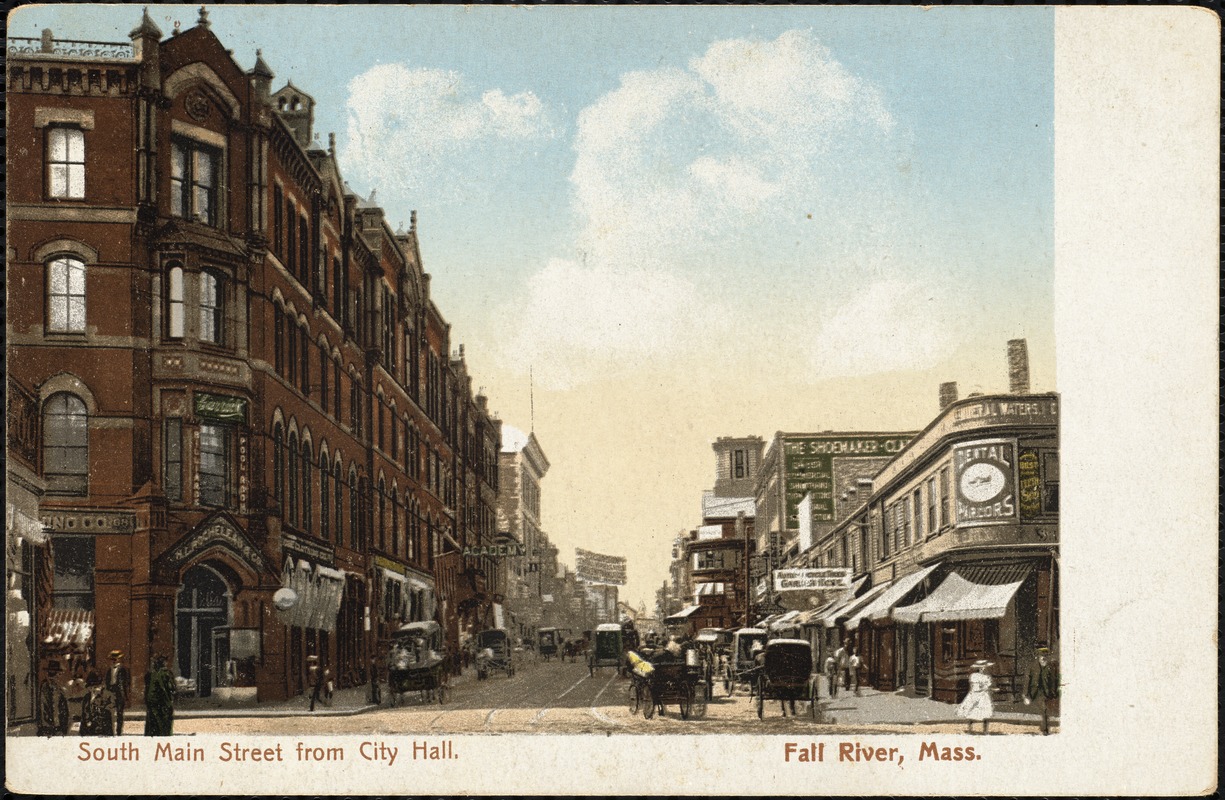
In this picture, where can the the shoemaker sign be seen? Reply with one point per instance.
(986, 482)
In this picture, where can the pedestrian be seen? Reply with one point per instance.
(53, 716)
(977, 704)
(97, 708)
(321, 691)
(1043, 686)
(159, 699)
(857, 663)
(118, 685)
(843, 656)
(831, 675)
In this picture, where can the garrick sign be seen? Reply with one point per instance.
(495, 551)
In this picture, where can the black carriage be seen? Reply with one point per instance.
(785, 675)
(494, 654)
(547, 642)
(608, 649)
(740, 657)
(667, 680)
(417, 662)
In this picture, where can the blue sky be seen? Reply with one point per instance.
(719, 220)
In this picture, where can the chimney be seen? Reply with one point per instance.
(1018, 367)
(948, 394)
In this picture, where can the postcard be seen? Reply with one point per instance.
(618, 400)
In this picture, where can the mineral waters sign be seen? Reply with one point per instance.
(819, 579)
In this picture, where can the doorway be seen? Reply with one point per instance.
(202, 607)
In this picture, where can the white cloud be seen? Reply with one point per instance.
(891, 324)
(414, 118)
(581, 323)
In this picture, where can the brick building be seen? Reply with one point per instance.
(242, 383)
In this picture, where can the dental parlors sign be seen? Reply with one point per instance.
(796, 580)
(986, 482)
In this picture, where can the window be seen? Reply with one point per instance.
(193, 181)
(739, 464)
(72, 584)
(395, 520)
(304, 250)
(291, 234)
(172, 459)
(932, 525)
(66, 445)
(175, 311)
(338, 504)
(278, 340)
(944, 498)
(336, 389)
(325, 521)
(291, 356)
(381, 523)
(212, 308)
(304, 350)
(214, 465)
(381, 423)
(904, 519)
(708, 559)
(65, 163)
(308, 462)
(278, 222)
(395, 434)
(278, 466)
(918, 515)
(291, 457)
(1050, 482)
(324, 369)
(66, 295)
(353, 527)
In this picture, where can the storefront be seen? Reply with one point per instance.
(892, 652)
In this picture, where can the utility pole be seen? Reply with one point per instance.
(740, 532)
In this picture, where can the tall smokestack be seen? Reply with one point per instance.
(1018, 367)
(948, 394)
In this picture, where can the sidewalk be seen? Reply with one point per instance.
(901, 707)
(345, 703)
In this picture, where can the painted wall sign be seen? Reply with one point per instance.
(1029, 483)
(220, 407)
(1036, 411)
(985, 475)
(495, 551)
(88, 521)
(219, 531)
(790, 580)
(312, 551)
(808, 465)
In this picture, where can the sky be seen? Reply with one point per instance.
(654, 226)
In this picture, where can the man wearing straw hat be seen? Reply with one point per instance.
(119, 684)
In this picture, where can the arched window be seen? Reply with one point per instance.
(379, 436)
(325, 370)
(381, 522)
(66, 295)
(363, 513)
(395, 520)
(325, 520)
(292, 458)
(278, 340)
(212, 308)
(338, 505)
(278, 466)
(305, 385)
(336, 391)
(308, 463)
(291, 357)
(395, 434)
(175, 313)
(66, 445)
(354, 530)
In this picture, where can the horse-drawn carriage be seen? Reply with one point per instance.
(548, 640)
(493, 653)
(667, 680)
(608, 649)
(740, 658)
(417, 662)
(785, 674)
(713, 646)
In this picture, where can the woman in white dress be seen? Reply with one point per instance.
(978, 705)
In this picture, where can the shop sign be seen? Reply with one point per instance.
(808, 463)
(818, 579)
(88, 521)
(508, 550)
(220, 407)
(986, 484)
(1033, 411)
(1029, 483)
(311, 551)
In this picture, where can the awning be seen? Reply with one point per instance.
(23, 525)
(683, 614)
(785, 621)
(714, 587)
(68, 629)
(812, 616)
(880, 607)
(957, 598)
(830, 618)
(395, 576)
(319, 592)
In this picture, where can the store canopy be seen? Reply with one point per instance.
(957, 598)
(682, 615)
(830, 618)
(69, 629)
(880, 607)
(813, 616)
(787, 620)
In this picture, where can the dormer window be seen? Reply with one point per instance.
(194, 176)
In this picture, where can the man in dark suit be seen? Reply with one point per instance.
(1043, 686)
(119, 684)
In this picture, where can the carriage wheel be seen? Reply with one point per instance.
(729, 683)
(686, 703)
(648, 702)
(761, 702)
(635, 698)
(792, 706)
(812, 698)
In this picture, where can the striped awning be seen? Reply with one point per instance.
(880, 607)
(830, 618)
(957, 598)
(813, 616)
(68, 629)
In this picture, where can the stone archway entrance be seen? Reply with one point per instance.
(203, 612)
